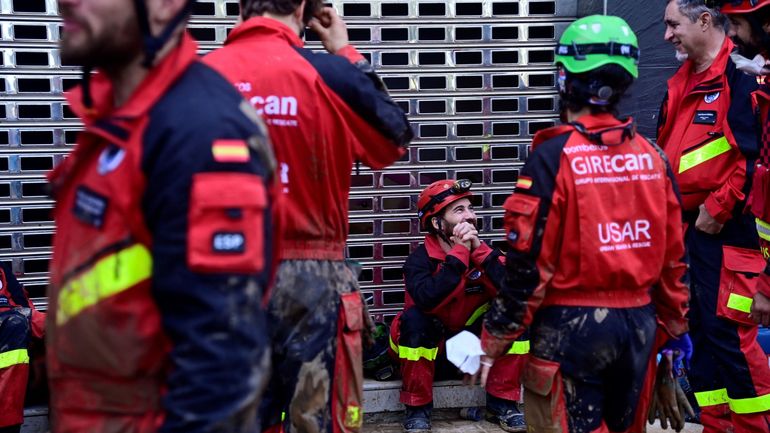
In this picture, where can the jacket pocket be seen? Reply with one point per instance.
(737, 283)
(520, 218)
(225, 230)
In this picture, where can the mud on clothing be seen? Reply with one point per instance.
(316, 313)
(324, 112)
(709, 132)
(161, 254)
(445, 294)
(19, 321)
(581, 249)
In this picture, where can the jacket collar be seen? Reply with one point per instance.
(264, 27)
(433, 246)
(154, 85)
(592, 122)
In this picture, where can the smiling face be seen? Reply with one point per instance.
(740, 32)
(99, 33)
(458, 211)
(686, 36)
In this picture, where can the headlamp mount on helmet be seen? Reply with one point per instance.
(460, 186)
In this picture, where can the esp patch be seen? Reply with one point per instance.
(705, 118)
(228, 242)
(90, 207)
(4, 301)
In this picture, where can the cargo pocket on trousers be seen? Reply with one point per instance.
(225, 231)
(520, 218)
(544, 407)
(737, 283)
(347, 409)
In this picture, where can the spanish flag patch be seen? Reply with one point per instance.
(524, 182)
(230, 151)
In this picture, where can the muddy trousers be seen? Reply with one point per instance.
(729, 370)
(417, 341)
(14, 366)
(315, 317)
(587, 369)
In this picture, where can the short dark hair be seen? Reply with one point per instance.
(580, 89)
(253, 8)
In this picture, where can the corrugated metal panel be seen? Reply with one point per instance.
(475, 77)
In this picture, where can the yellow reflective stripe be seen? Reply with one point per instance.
(353, 417)
(712, 398)
(763, 229)
(739, 302)
(415, 353)
(750, 405)
(108, 277)
(519, 348)
(476, 314)
(393, 345)
(704, 153)
(14, 357)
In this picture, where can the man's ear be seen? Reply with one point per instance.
(705, 20)
(436, 223)
(299, 13)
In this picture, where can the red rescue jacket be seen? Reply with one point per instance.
(14, 357)
(160, 252)
(594, 221)
(759, 199)
(707, 130)
(323, 114)
(453, 286)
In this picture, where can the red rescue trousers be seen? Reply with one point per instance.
(417, 341)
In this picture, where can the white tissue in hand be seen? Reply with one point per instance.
(464, 351)
(755, 66)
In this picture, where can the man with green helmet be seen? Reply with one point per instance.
(708, 130)
(593, 224)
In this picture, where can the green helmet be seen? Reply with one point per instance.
(598, 40)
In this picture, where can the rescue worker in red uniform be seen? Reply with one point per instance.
(19, 321)
(450, 280)
(749, 26)
(163, 244)
(325, 112)
(596, 258)
(708, 130)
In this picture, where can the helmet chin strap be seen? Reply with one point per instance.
(153, 44)
(440, 232)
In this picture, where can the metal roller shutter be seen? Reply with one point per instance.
(474, 76)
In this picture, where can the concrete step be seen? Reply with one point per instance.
(448, 421)
(382, 397)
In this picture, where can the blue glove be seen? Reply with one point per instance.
(681, 348)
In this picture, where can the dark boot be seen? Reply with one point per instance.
(506, 414)
(417, 418)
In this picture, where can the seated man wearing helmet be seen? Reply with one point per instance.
(450, 280)
(596, 259)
